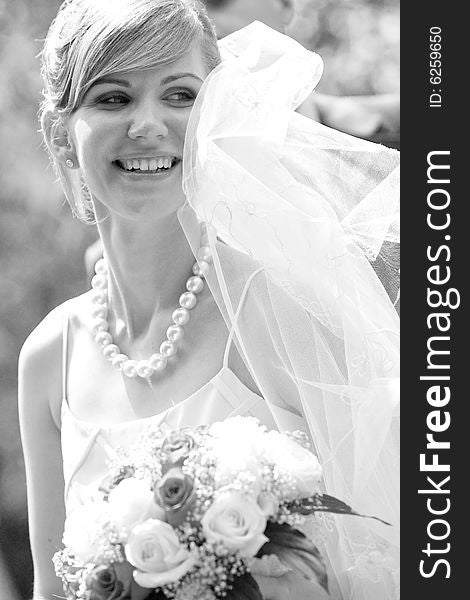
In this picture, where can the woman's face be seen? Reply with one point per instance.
(128, 135)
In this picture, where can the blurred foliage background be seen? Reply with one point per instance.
(42, 246)
(358, 41)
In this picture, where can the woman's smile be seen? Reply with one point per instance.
(149, 167)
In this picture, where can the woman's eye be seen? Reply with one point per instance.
(111, 99)
(181, 97)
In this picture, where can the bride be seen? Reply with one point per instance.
(238, 239)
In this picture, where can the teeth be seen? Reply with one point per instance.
(146, 164)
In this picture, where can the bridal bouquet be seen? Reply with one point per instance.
(193, 513)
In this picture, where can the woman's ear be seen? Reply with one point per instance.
(58, 139)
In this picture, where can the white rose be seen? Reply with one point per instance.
(155, 550)
(132, 502)
(83, 530)
(246, 428)
(233, 458)
(294, 459)
(237, 522)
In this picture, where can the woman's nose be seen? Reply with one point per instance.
(147, 123)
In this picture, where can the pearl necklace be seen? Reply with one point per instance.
(175, 332)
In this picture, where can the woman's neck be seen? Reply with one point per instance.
(149, 264)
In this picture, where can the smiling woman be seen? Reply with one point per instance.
(236, 277)
(105, 40)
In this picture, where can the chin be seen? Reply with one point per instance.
(152, 207)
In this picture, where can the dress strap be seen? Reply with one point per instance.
(237, 314)
(65, 340)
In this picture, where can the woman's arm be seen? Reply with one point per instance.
(39, 400)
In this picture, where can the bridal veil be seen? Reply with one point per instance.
(318, 211)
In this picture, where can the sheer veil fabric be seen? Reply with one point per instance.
(318, 211)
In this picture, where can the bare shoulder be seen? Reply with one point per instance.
(39, 365)
(45, 340)
(39, 398)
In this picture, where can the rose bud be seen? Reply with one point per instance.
(176, 449)
(175, 494)
(103, 584)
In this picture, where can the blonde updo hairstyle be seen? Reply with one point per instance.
(90, 39)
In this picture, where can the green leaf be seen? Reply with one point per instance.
(296, 551)
(325, 503)
(244, 588)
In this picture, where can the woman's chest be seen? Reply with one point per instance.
(98, 392)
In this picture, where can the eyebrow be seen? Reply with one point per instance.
(164, 81)
(175, 76)
(107, 79)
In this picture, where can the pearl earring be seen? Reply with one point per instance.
(69, 163)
